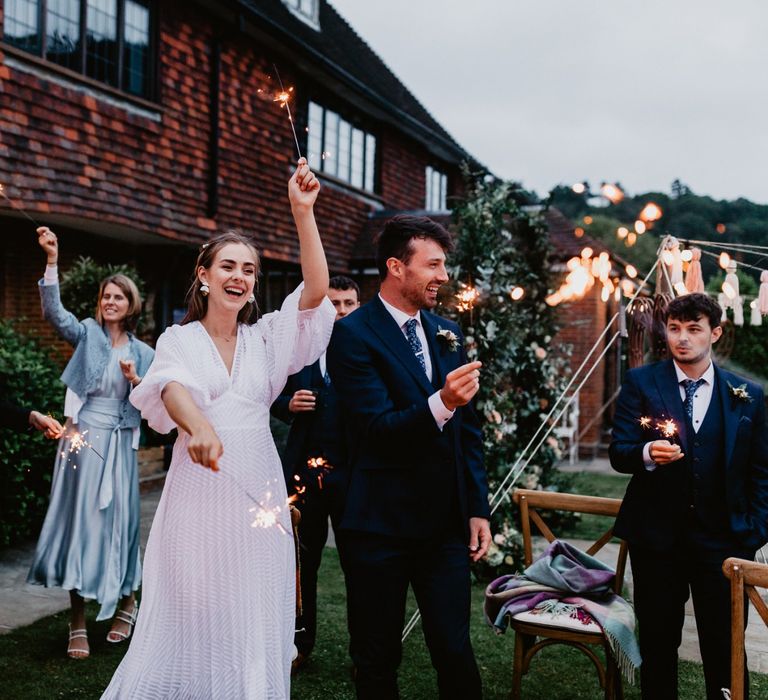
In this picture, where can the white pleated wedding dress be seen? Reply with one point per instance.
(217, 613)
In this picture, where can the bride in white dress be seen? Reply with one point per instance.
(217, 612)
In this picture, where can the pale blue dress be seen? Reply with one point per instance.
(90, 538)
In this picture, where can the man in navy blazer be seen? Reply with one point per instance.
(310, 405)
(416, 508)
(698, 493)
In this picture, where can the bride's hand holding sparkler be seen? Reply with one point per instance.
(665, 452)
(47, 425)
(49, 243)
(204, 447)
(303, 187)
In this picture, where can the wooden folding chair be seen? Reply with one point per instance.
(744, 576)
(531, 636)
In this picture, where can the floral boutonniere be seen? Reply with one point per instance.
(450, 339)
(739, 393)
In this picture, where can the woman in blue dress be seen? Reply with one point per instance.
(89, 544)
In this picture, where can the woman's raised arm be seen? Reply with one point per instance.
(302, 193)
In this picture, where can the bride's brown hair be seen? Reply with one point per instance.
(197, 304)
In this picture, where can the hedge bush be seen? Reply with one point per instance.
(28, 377)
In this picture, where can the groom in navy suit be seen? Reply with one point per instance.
(695, 498)
(416, 508)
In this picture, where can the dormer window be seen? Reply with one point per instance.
(437, 190)
(307, 11)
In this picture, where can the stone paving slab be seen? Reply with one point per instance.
(21, 603)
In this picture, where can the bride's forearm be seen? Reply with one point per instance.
(314, 268)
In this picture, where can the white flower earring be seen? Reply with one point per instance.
(204, 289)
(251, 299)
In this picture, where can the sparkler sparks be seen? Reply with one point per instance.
(466, 298)
(77, 442)
(283, 98)
(667, 427)
(322, 466)
(645, 422)
(17, 207)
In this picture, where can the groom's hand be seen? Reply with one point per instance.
(302, 400)
(479, 538)
(664, 452)
(461, 385)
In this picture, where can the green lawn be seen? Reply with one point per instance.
(33, 664)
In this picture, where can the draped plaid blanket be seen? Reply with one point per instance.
(565, 580)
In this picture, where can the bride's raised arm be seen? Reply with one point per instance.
(302, 192)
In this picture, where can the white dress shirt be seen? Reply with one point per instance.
(323, 364)
(440, 413)
(701, 400)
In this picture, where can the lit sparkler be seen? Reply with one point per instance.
(77, 442)
(322, 466)
(668, 428)
(645, 422)
(17, 207)
(283, 98)
(467, 298)
(267, 516)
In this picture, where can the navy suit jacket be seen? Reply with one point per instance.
(654, 508)
(294, 455)
(397, 456)
(13, 417)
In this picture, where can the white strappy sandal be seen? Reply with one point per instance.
(77, 634)
(123, 616)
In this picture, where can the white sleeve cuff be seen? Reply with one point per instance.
(51, 275)
(650, 465)
(441, 414)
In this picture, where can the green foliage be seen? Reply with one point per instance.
(80, 284)
(500, 246)
(30, 379)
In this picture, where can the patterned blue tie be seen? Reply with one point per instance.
(690, 386)
(414, 342)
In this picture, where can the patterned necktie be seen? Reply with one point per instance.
(414, 342)
(326, 378)
(690, 386)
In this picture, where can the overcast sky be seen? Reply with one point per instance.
(557, 91)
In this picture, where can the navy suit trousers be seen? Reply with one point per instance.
(663, 582)
(379, 569)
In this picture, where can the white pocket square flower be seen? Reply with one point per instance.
(449, 338)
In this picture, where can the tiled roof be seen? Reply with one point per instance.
(561, 234)
(364, 252)
(348, 58)
(564, 241)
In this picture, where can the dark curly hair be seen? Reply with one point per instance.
(691, 307)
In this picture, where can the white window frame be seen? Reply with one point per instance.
(308, 11)
(325, 132)
(436, 187)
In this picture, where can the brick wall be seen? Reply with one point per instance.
(581, 323)
(90, 163)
